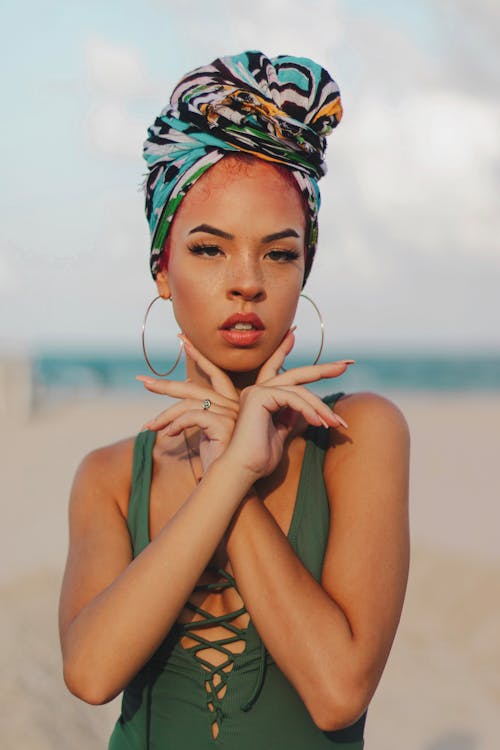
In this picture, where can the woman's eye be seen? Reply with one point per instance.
(207, 250)
(283, 256)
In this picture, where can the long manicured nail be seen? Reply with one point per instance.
(342, 421)
(292, 329)
(145, 379)
(349, 361)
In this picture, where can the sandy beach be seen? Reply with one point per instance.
(441, 687)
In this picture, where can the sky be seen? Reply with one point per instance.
(409, 250)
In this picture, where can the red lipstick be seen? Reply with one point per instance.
(242, 329)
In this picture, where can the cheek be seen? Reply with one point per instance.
(194, 300)
(286, 292)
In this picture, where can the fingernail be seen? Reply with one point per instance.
(145, 379)
(325, 424)
(349, 361)
(342, 421)
(292, 329)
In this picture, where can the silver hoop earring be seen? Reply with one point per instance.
(321, 327)
(143, 339)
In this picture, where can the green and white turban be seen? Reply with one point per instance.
(279, 109)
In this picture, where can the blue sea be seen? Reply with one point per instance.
(56, 374)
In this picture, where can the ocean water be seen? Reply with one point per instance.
(56, 374)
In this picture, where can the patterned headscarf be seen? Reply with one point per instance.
(279, 109)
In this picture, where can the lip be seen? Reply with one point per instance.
(251, 318)
(242, 338)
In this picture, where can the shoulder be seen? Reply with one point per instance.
(377, 435)
(368, 410)
(105, 475)
(108, 464)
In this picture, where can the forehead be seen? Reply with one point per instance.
(238, 190)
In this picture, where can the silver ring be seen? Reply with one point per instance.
(206, 404)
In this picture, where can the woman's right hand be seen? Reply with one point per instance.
(272, 407)
(218, 421)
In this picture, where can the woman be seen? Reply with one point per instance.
(239, 568)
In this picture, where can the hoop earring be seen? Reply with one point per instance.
(321, 326)
(143, 339)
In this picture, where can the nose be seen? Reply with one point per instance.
(245, 280)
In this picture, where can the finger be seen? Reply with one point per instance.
(315, 413)
(330, 418)
(290, 400)
(310, 373)
(214, 426)
(220, 381)
(186, 389)
(275, 399)
(169, 415)
(271, 366)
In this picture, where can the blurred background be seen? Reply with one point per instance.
(407, 277)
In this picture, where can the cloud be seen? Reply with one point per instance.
(272, 26)
(114, 70)
(116, 79)
(112, 130)
(423, 167)
(474, 50)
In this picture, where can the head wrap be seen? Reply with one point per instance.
(279, 109)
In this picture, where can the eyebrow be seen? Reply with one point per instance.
(280, 235)
(289, 232)
(212, 230)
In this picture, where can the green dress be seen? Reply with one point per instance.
(165, 707)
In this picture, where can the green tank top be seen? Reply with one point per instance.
(174, 700)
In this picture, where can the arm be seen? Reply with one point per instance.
(339, 633)
(115, 611)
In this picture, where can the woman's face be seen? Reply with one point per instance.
(236, 262)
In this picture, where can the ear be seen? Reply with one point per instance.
(162, 284)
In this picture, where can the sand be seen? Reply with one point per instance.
(441, 687)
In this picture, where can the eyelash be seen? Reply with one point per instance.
(285, 256)
(280, 256)
(201, 249)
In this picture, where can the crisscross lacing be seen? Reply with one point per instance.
(217, 674)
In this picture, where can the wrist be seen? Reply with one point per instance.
(231, 466)
(236, 479)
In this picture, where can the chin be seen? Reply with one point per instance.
(239, 360)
